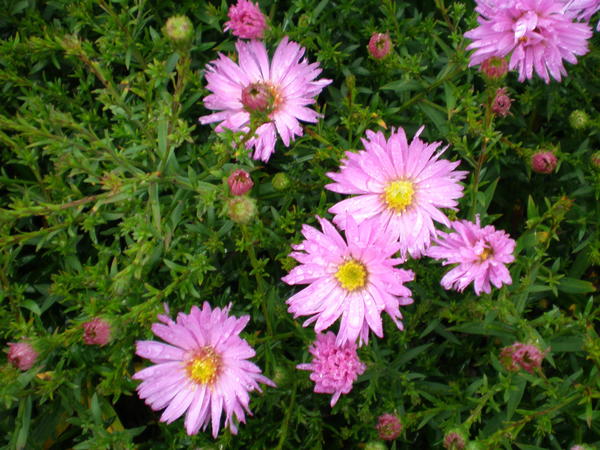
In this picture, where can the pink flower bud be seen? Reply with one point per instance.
(96, 332)
(239, 182)
(543, 162)
(502, 101)
(246, 21)
(380, 45)
(388, 427)
(21, 355)
(494, 68)
(454, 440)
(521, 356)
(257, 97)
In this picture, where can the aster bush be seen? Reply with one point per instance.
(206, 208)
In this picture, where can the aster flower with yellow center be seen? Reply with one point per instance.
(202, 370)
(354, 279)
(401, 185)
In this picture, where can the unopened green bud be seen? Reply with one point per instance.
(375, 445)
(179, 29)
(474, 445)
(579, 119)
(241, 209)
(280, 181)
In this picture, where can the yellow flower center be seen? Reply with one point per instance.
(399, 195)
(204, 367)
(351, 275)
(485, 254)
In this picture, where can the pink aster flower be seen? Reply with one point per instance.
(535, 33)
(246, 20)
(202, 369)
(355, 280)
(279, 91)
(582, 9)
(334, 368)
(522, 356)
(22, 355)
(401, 185)
(96, 332)
(481, 255)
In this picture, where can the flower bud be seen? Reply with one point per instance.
(375, 445)
(595, 160)
(179, 29)
(454, 440)
(239, 182)
(21, 355)
(501, 104)
(241, 209)
(388, 427)
(246, 20)
(579, 119)
(380, 45)
(521, 356)
(96, 332)
(280, 181)
(494, 68)
(543, 162)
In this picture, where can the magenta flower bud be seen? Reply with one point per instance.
(96, 332)
(494, 68)
(521, 356)
(380, 45)
(239, 182)
(257, 97)
(246, 20)
(543, 162)
(502, 101)
(454, 440)
(22, 355)
(388, 427)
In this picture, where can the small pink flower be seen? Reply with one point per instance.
(380, 45)
(239, 182)
(494, 68)
(96, 332)
(22, 355)
(246, 20)
(454, 441)
(334, 368)
(522, 356)
(388, 427)
(544, 162)
(501, 104)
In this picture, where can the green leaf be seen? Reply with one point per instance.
(575, 286)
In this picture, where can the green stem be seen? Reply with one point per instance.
(288, 415)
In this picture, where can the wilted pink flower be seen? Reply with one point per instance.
(522, 356)
(481, 255)
(494, 67)
(535, 33)
(582, 9)
(544, 162)
(21, 355)
(288, 80)
(96, 332)
(239, 182)
(380, 45)
(501, 104)
(334, 368)
(454, 441)
(202, 369)
(401, 185)
(356, 280)
(388, 427)
(246, 20)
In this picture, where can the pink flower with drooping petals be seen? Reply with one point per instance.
(22, 355)
(522, 356)
(334, 368)
(582, 9)
(501, 103)
(401, 185)
(535, 33)
(481, 255)
(96, 332)
(239, 182)
(279, 91)
(355, 280)
(202, 369)
(246, 20)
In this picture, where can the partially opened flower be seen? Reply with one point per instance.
(22, 355)
(355, 280)
(276, 93)
(481, 255)
(402, 185)
(202, 369)
(334, 368)
(535, 33)
(246, 20)
(96, 332)
(388, 427)
(380, 45)
(522, 356)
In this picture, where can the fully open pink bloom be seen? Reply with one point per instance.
(535, 33)
(22, 355)
(355, 280)
(202, 369)
(401, 185)
(246, 21)
(280, 91)
(96, 332)
(582, 9)
(481, 255)
(334, 368)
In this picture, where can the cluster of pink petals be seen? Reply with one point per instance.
(246, 20)
(380, 45)
(290, 78)
(389, 427)
(501, 103)
(168, 382)
(544, 162)
(321, 255)
(22, 355)
(334, 368)
(96, 332)
(522, 356)
(481, 255)
(582, 9)
(535, 33)
(239, 182)
(368, 173)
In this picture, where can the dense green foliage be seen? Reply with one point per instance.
(112, 202)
